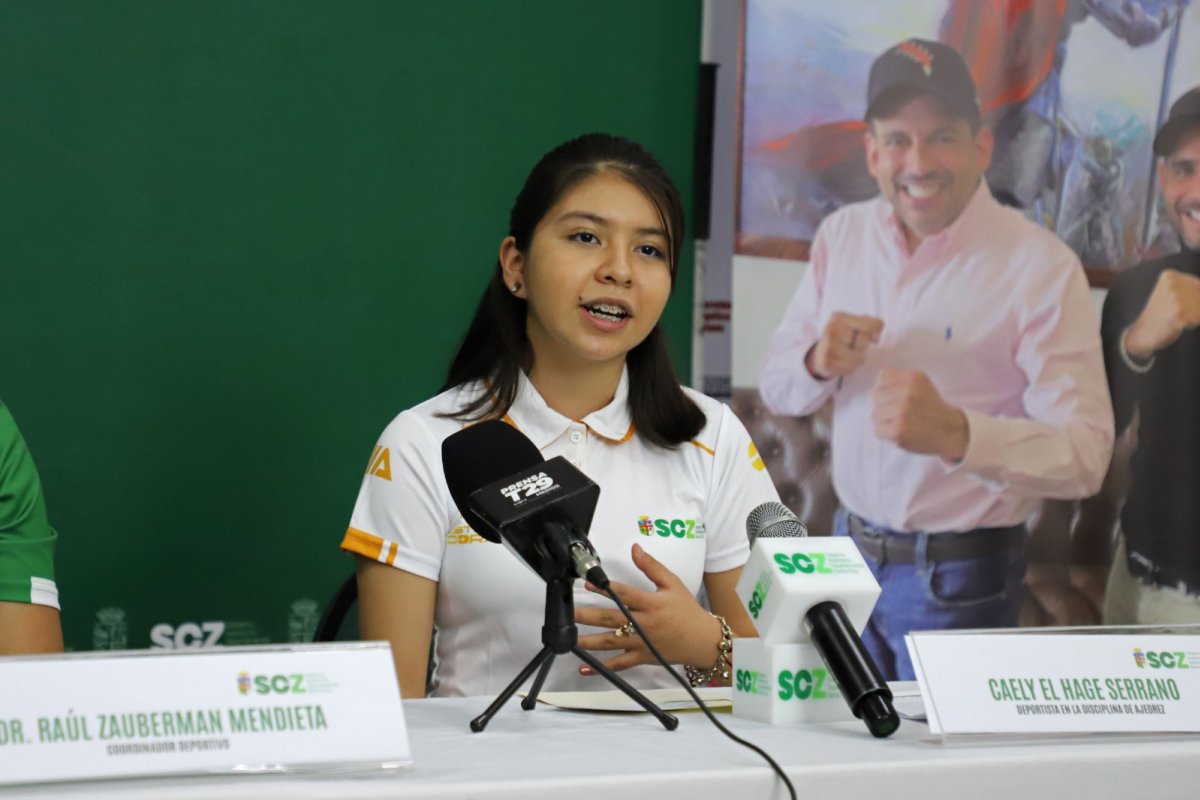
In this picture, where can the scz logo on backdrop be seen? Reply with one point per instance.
(187, 635)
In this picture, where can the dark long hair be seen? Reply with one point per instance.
(495, 348)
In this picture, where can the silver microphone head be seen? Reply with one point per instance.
(773, 521)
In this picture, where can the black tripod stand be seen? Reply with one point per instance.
(559, 635)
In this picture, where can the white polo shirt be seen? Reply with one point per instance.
(687, 507)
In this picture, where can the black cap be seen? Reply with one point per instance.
(1185, 114)
(924, 66)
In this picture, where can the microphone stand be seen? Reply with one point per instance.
(559, 636)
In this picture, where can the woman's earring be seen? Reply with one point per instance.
(516, 287)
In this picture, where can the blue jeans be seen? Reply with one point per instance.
(931, 595)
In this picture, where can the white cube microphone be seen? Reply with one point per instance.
(808, 599)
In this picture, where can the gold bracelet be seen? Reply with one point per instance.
(720, 670)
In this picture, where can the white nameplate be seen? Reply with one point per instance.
(997, 682)
(233, 709)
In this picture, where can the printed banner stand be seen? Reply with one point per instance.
(320, 708)
(1139, 679)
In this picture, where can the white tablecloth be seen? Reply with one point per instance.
(548, 753)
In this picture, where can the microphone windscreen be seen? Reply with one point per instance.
(480, 455)
(773, 521)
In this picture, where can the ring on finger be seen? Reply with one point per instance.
(625, 630)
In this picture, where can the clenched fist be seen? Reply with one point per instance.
(910, 413)
(843, 345)
(1173, 307)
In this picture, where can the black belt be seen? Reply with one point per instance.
(884, 544)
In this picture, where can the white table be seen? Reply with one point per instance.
(548, 753)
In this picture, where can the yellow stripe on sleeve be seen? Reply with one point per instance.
(365, 544)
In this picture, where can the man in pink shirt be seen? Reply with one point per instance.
(959, 346)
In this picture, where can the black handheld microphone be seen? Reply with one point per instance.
(832, 634)
(539, 509)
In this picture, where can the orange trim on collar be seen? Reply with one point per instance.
(628, 434)
(705, 448)
(505, 418)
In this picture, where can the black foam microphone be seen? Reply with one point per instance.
(832, 634)
(539, 509)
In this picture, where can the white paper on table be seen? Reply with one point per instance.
(717, 697)
(907, 700)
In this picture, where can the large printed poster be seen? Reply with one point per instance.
(1074, 90)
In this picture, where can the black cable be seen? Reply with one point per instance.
(686, 684)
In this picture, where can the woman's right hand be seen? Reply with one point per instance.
(670, 615)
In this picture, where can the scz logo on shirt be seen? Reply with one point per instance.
(667, 528)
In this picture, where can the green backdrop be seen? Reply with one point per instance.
(240, 236)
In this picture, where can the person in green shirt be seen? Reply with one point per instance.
(29, 618)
